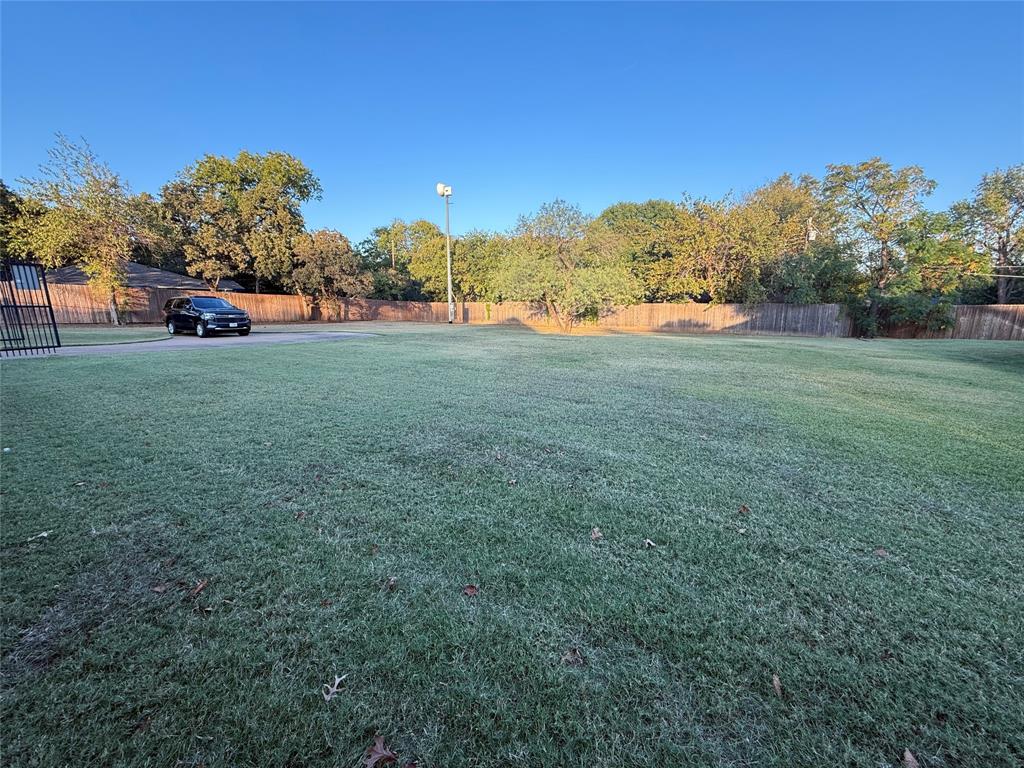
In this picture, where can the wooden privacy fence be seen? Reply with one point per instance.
(975, 321)
(791, 319)
(78, 304)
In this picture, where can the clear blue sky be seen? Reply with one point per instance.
(517, 104)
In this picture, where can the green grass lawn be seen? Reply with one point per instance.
(876, 568)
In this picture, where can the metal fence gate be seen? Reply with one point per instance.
(27, 324)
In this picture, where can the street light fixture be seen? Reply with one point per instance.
(446, 192)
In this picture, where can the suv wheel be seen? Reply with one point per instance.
(171, 328)
(201, 329)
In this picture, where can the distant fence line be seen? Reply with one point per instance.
(78, 304)
(975, 321)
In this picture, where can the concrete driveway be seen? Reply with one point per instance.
(172, 343)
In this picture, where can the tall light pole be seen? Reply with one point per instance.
(446, 192)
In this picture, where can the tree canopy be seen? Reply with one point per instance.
(240, 216)
(78, 211)
(325, 267)
(859, 235)
(573, 266)
(993, 221)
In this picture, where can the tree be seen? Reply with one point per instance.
(787, 234)
(938, 266)
(559, 258)
(428, 259)
(17, 216)
(326, 267)
(876, 202)
(386, 254)
(166, 252)
(394, 241)
(240, 217)
(476, 259)
(824, 272)
(994, 221)
(87, 216)
(646, 234)
(726, 251)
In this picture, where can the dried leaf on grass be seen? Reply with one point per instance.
(881, 552)
(380, 754)
(595, 534)
(648, 544)
(777, 685)
(330, 690)
(391, 583)
(744, 509)
(909, 761)
(160, 588)
(199, 587)
(470, 590)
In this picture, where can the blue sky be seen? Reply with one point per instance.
(517, 104)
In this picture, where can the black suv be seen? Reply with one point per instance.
(205, 315)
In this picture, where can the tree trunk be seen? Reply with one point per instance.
(553, 312)
(115, 318)
(1002, 282)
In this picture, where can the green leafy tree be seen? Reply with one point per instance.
(477, 257)
(877, 202)
(825, 272)
(240, 216)
(88, 217)
(788, 235)
(574, 268)
(645, 231)
(428, 258)
(937, 267)
(386, 253)
(326, 268)
(168, 250)
(393, 240)
(703, 263)
(994, 221)
(17, 218)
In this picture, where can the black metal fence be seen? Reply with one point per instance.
(27, 323)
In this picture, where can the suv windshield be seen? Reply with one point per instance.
(211, 304)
